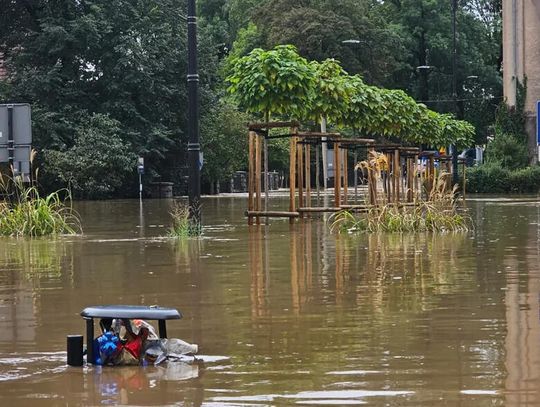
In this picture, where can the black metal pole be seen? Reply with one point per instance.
(90, 341)
(11, 138)
(194, 148)
(455, 177)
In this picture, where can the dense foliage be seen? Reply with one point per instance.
(507, 157)
(276, 81)
(492, 178)
(94, 69)
(281, 81)
(125, 60)
(508, 149)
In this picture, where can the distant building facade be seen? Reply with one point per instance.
(521, 58)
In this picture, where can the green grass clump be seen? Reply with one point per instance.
(437, 214)
(394, 219)
(182, 226)
(29, 214)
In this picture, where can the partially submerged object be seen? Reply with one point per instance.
(124, 329)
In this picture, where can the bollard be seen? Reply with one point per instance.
(75, 350)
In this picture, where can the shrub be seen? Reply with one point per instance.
(98, 163)
(492, 178)
(507, 151)
(488, 178)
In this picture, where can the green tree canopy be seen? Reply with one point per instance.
(278, 81)
(281, 81)
(332, 92)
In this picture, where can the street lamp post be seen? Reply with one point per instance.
(455, 178)
(194, 187)
(423, 71)
(357, 44)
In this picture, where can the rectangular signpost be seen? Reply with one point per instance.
(538, 127)
(16, 137)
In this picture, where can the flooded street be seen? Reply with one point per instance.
(283, 315)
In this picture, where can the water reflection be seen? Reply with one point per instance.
(35, 257)
(259, 272)
(124, 385)
(522, 342)
(306, 316)
(363, 266)
(27, 266)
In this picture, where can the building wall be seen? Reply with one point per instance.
(521, 57)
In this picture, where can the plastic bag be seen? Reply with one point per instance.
(157, 351)
(179, 347)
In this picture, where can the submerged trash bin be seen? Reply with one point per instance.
(161, 189)
(114, 320)
(75, 350)
(239, 181)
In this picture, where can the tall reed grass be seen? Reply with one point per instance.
(182, 226)
(437, 214)
(24, 212)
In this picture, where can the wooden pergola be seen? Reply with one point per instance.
(401, 181)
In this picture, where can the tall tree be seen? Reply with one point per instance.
(427, 29)
(121, 58)
(323, 29)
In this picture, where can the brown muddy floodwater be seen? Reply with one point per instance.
(283, 315)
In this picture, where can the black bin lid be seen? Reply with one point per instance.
(130, 312)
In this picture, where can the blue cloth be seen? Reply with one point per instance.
(105, 346)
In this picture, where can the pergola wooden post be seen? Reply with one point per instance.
(317, 170)
(388, 187)
(431, 172)
(416, 175)
(337, 175)
(300, 175)
(345, 176)
(266, 186)
(463, 192)
(355, 162)
(307, 170)
(397, 175)
(292, 173)
(251, 175)
(257, 177)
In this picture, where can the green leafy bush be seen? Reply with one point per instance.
(492, 178)
(97, 164)
(507, 151)
(509, 147)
